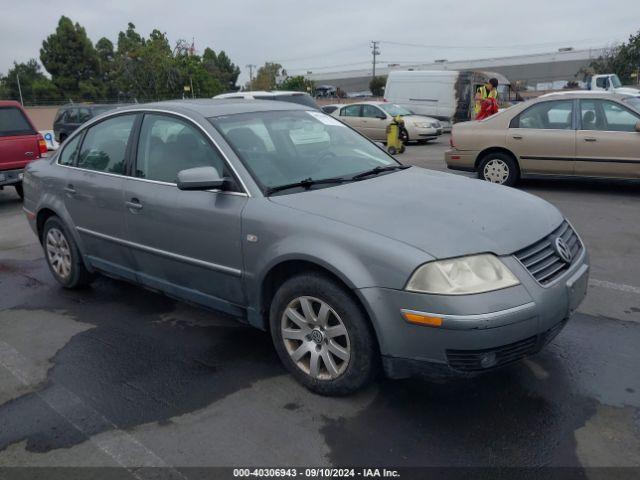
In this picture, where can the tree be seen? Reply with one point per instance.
(36, 87)
(107, 67)
(376, 85)
(623, 60)
(69, 56)
(221, 67)
(265, 78)
(297, 83)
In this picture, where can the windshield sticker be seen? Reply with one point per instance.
(326, 119)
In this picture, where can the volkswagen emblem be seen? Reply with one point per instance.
(563, 250)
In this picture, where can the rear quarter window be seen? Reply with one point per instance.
(13, 122)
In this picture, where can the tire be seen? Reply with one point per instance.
(19, 190)
(342, 344)
(499, 168)
(69, 270)
(392, 150)
(404, 136)
(402, 148)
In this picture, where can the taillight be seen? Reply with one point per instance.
(42, 145)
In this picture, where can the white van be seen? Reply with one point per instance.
(443, 94)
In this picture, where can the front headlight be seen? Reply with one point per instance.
(421, 125)
(462, 276)
(436, 125)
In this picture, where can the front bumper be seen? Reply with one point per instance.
(478, 332)
(11, 177)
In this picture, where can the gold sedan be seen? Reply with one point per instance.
(573, 133)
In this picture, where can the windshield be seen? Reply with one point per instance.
(633, 102)
(395, 110)
(615, 81)
(283, 147)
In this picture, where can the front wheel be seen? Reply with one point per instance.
(322, 336)
(62, 255)
(499, 168)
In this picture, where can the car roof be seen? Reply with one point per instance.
(584, 94)
(218, 107)
(9, 103)
(275, 93)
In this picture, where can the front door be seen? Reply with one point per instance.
(607, 143)
(544, 139)
(374, 122)
(94, 191)
(186, 243)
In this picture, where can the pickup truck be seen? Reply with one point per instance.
(20, 143)
(610, 82)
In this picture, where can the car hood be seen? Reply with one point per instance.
(420, 119)
(442, 214)
(628, 91)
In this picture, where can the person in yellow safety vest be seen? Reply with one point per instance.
(488, 90)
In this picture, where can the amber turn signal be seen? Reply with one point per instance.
(419, 319)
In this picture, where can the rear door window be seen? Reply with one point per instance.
(105, 145)
(13, 122)
(350, 111)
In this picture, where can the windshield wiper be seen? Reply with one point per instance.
(307, 183)
(379, 169)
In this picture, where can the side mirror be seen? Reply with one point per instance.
(200, 178)
(638, 127)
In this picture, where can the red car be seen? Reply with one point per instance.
(20, 143)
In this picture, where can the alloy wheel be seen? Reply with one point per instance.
(315, 338)
(496, 171)
(58, 253)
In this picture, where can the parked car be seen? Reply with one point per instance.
(373, 118)
(571, 133)
(20, 143)
(348, 258)
(277, 95)
(71, 116)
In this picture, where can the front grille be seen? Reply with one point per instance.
(543, 261)
(471, 360)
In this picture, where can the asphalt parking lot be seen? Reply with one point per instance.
(118, 376)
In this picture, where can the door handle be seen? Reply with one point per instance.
(70, 190)
(134, 205)
(590, 139)
(516, 137)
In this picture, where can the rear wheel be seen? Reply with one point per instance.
(62, 255)
(322, 335)
(499, 168)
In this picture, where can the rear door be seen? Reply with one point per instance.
(544, 138)
(18, 140)
(607, 143)
(94, 194)
(351, 115)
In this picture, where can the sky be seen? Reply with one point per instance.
(330, 35)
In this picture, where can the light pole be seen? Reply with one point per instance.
(375, 52)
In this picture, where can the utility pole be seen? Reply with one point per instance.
(375, 52)
(251, 67)
(19, 89)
